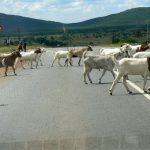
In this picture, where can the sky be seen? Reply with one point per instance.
(68, 11)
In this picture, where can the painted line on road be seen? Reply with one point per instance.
(133, 85)
(138, 89)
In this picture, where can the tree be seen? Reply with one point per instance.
(115, 38)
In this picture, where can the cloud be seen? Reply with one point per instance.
(67, 10)
(130, 4)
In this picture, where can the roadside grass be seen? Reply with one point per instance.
(110, 45)
(5, 49)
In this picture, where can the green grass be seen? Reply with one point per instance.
(110, 45)
(5, 49)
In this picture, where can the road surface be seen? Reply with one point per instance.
(50, 108)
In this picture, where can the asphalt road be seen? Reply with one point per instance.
(50, 108)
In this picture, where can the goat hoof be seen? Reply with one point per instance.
(15, 74)
(145, 91)
(110, 92)
(129, 92)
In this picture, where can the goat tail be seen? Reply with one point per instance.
(84, 54)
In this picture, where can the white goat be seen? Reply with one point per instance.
(131, 66)
(39, 56)
(142, 54)
(136, 48)
(58, 55)
(98, 62)
(110, 51)
(29, 56)
(132, 49)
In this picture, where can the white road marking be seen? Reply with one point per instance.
(133, 85)
(138, 89)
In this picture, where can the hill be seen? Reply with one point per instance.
(130, 19)
(15, 24)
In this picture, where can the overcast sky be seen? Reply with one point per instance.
(68, 11)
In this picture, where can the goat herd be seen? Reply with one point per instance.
(121, 62)
(12, 59)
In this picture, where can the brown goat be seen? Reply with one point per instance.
(143, 47)
(78, 52)
(9, 61)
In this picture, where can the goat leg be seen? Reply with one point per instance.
(6, 68)
(125, 84)
(118, 77)
(14, 70)
(41, 62)
(104, 71)
(145, 80)
(31, 65)
(70, 62)
(22, 64)
(66, 62)
(59, 63)
(79, 61)
(36, 63)
(88, 74)
(85, 78)
(53, 62)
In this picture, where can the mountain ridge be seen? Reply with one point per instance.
(137, 17)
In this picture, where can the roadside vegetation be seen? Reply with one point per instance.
(69, 39)
(12, 47)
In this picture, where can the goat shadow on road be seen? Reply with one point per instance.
(132, 94)
(137, 93)
(3, 105)
(41, 67)
(74, 66)
(12, 75)
(102, 83)
(123, 94)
